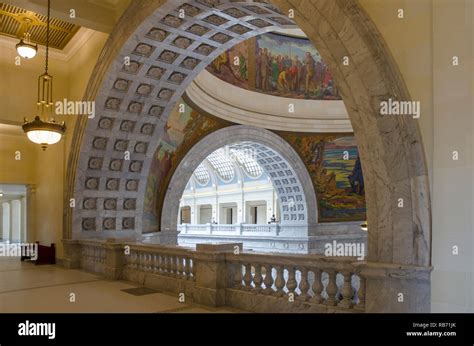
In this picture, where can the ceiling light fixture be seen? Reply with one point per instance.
(45, 132)
(25, 48)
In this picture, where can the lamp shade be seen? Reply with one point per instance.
(26, 50)
(44, 133)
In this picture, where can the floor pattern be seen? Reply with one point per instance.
(27, 288)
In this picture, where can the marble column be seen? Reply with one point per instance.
(6, 219)
(16, 221)
(194, 218)
(23, 228)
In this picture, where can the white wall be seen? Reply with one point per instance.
(205, 214)
(453, 180)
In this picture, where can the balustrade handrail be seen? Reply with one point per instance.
(302, 260)
(307, 260)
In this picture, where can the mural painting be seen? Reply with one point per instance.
(232, 65)
(278, 65)
(333, 163)
(181, 132)
(291, 67)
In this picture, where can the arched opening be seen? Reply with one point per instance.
(251, 194)
(152, 57)
(223, 166)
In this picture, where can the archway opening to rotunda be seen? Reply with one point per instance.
(255, 190)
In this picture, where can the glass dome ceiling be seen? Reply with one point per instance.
(224, 162)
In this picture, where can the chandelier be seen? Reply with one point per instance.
(25, 48)
(43, 129)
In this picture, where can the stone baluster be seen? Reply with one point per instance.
(159, 264)
(133, 259)
(291, 284)
(268, 281)
(162, 264)
(279, 282)
(193, 270)
(137, 260)
(167, 265)
(140, 260)
(180, 273)
(238, 277)
(347, 293)
(248, 277)
(174, 266)
(186, 268)
(361, 295)
(156, 263)
(304, 284)
(331, 289)
(147, 262)
(151, 263)
(258, 278)
(317, 287)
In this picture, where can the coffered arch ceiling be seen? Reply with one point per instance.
(152, 56)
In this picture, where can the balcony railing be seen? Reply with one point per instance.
(237, 229)
(224, 275)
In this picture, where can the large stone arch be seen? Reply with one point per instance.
(277, 158)
(130, 116)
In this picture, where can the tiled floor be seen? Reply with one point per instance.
(25, 287)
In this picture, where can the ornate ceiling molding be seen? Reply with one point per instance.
(219, 98)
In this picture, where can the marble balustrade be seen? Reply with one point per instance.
(216, 275)
(314, 279)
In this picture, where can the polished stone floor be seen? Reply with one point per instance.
(25, 287)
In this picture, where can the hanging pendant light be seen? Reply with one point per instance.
(25, 48)
(45, 131)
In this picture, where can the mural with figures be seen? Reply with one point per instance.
(232, 65)
(332, 161)
(181, 131)
(278, 65)
(334, 166)
(292, 67)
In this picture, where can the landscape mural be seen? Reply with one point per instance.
(334, 166)
(278, 65)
